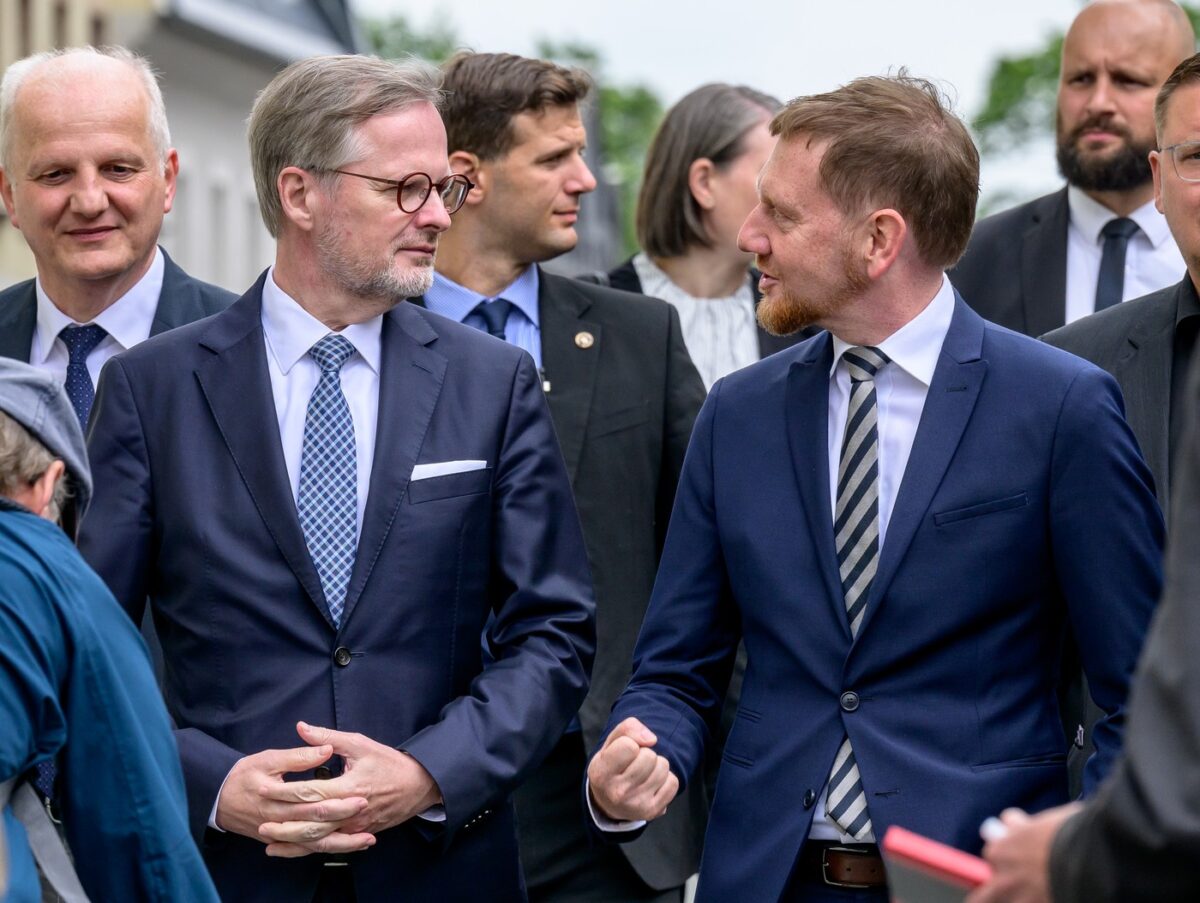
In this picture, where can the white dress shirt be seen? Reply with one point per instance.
(900, 391)
(127, 322)
(1152, 259)
(721, 334)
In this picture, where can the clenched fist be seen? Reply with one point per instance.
(629, 781)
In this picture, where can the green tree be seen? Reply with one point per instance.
(1021, 95)
(396, 37)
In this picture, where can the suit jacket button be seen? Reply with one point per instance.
(341, 656)
(849, 701)
(810, 797)
(322, 773)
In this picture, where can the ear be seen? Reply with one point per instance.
(300, 196)
(700, 177)
(469, 165)
(1156, 172)
(6, 191)
(886, 232)
(42, 489)
(171, 174)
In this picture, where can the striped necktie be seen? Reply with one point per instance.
(856, 534)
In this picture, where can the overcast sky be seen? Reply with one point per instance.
(785, 47)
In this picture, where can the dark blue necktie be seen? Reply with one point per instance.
(495, 315)
(1110, 287)
(80, 340)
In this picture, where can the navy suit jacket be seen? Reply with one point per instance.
(1025, 504)
(194, 510)
(182, 300)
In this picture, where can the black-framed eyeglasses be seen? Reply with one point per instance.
(414, 189)
(1186, 159)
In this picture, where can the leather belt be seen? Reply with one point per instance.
(852, 866)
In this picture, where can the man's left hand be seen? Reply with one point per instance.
(1021, 860)
(395, 785)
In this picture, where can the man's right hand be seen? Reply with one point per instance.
(244, 803)
(628, 780)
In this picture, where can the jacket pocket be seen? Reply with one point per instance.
(1046, 759)
(1020, 500)
(451, 485)
(624, 419)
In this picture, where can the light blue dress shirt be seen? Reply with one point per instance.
(449, 299)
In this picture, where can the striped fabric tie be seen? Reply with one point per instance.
(856, 534)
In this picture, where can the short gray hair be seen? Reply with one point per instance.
(710, 122)
(18, 73)
(307, 115)
(23, 460)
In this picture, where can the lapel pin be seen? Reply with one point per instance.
(585, 339)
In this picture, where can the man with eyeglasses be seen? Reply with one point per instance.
(623, 394)
(1098, 240)
(1138, 839)
(329, 496)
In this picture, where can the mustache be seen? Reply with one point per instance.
(1102, 121)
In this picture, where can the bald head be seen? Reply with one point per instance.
(1116, 55)
(68, 77)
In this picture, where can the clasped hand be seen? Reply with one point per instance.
(379, 788)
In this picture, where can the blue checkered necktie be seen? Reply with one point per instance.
(495, 315)
(80, 341)
(856, 534)
(327, 500)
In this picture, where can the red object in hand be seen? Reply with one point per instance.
(921, 870)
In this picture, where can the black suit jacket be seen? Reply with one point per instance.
(1135, 342)
(623, 408)
(1014, 271)
(1140, 837)
(625, 277)
(182, 300)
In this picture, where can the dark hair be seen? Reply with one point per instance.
(1186, 73)
(484, 91)
(709, 123)
(893, 141)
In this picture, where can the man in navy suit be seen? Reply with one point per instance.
(87, 173)
(329, 497)
(900, 517)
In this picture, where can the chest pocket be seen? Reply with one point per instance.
(451, 485)
(615, 421)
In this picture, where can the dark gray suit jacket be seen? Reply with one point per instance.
(1135, 342)
(1014, 271)
(1140, 837)
(623, 408)
(182, 300)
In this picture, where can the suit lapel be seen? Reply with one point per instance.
(237, 386)
(1143, 368)
(410, 381)
(1044, 267)
(806, 414)
(569, 368)
(18, 320)
(178, 301)
(948, 406)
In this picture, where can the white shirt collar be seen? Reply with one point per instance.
(1089, 216)
(291, 330)
(128, 319)
(916, 346)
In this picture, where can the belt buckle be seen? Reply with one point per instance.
(834, 882)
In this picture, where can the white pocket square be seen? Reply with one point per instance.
(444, 468)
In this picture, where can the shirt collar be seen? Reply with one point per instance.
(916, 346)
(291, 330)
(128, 319)
(1089, 216)
(448, 298)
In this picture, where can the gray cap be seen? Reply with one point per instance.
(35, 400)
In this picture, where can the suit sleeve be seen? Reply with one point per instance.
(116, 537)
(685, 651)
(1107, 536)
(543, 635)
(1140, 837)
(684, 396)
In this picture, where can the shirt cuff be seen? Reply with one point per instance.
(602, 821)
(212, 816)
(436, 812)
